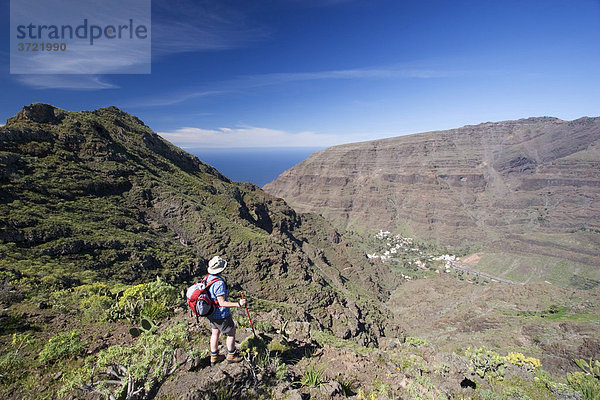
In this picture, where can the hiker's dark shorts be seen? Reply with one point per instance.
(225, 325)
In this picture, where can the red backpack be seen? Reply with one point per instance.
(198, 297)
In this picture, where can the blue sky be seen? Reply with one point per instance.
(285, 73)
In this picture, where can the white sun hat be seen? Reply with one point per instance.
(216, 265)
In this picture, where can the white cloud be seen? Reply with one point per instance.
(253, 81)
(74, 82)
(209, 25)
(107, 58)
(248, 82)
(169, 100)
(315, 3)
(366, 73)
(200, 25)
(250, 136)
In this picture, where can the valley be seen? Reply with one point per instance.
(522, 193)
(104, 224)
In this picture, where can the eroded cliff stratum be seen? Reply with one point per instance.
(528, 187)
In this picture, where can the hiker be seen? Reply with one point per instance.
(220, 320)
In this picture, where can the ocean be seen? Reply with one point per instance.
(256, 165)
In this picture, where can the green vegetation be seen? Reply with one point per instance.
(591, 367)
(560, 313)
(586, 382)
(63, 345)
(95, 303)
(253, 345)
(13, 360)
(529, 363)
(278, 346)
(415, 341)
(149, 359)
(539, 269)
(324, 338)
(485, 362)
(516, 387)
(147, 300)
(554, 312)
(312, 376)
(146, 326)
(422, 388)
(348, 386)
(264, 326)
(135, 369)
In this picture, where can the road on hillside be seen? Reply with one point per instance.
(470, 270)
(483, 274)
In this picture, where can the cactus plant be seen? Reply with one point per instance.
(147, 326)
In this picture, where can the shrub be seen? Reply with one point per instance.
(529, 363)
(96, 288)
(281, 373)
(53, 282)
(253, 345)
(10, 364)
(223, 391)
(95, 306)
(312, 376)
(13, 361)
(137, 369)
(348, 386)
(415, 341)
(156, 290)
(277, 346)
(153, 300)
(587, 382)
(242, 322)
(93, 299)
(264, 326)
(421, 388)
(154, 310)
(63, 345)
(592, 367)
(414, 364)
(326, 338)
(485, 362)
(381, 387)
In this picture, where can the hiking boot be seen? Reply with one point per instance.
(233, 357)
(215, 359)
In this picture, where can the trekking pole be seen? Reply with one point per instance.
(248, 314)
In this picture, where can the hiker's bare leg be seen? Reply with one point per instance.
(231, 341)
(214, 340)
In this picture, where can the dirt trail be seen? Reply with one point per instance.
(483, 274)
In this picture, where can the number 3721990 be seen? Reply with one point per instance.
(41, 46)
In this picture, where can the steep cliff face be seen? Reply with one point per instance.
(529, 186)
(97, 196)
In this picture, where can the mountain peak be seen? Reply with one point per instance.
(116, 112)
(40, 112)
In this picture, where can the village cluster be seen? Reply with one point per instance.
(403, 249)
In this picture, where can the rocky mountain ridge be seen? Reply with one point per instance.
(97, 196)
(526, 187)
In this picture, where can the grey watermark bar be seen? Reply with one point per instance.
(80, 37)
